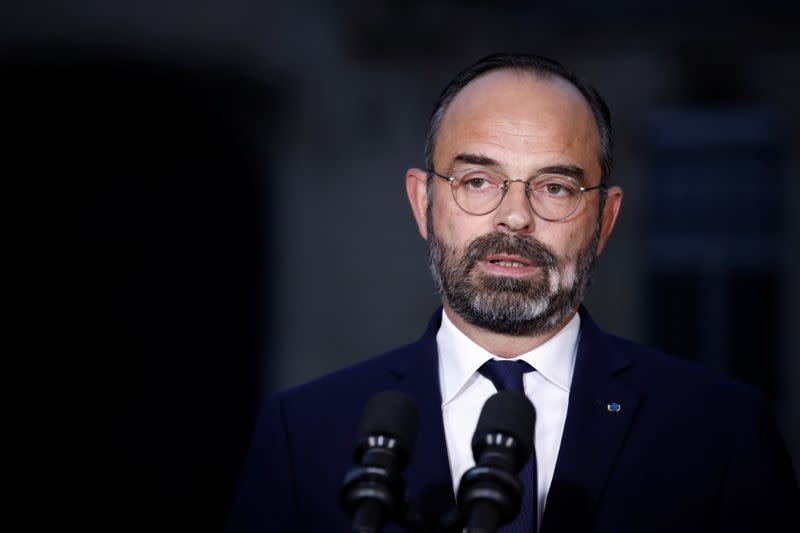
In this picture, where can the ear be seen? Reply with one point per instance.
(610, 212)
(416, 183)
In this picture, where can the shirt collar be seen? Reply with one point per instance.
(460, 357)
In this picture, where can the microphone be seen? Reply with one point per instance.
(373, 491)
(489, 493)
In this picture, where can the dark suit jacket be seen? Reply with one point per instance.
(689, 450)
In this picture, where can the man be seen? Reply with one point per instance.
(515, 205)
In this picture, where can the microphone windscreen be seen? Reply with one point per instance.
(510, 413)
(391, 413)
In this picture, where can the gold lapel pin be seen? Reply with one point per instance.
(614, 407)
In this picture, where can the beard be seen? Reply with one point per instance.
(511, 305)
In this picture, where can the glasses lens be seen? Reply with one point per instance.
(555, 197)
(478, 191)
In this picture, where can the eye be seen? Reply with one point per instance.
(479, 182)
(556, 187)
(476, 182)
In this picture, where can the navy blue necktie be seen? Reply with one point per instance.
(507, 375)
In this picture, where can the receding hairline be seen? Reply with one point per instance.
(539, 67)
(520, 72)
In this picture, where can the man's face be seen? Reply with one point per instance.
(510, 271)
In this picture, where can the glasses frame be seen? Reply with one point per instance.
(506, 186)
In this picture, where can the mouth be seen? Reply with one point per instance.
(508, 264)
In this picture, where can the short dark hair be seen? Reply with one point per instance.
(542, 67)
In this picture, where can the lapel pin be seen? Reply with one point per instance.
(614, 407)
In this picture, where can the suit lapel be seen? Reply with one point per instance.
(429, 482)
(592, 439)
(593, 433)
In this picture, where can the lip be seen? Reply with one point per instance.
(489, 264)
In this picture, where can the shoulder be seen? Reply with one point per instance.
(698, 402)
(380, 370)
(672, 391)
(698, 429)
(285, 474)
(334, 403)
(657, 370)
(366, 378)
(652, 372)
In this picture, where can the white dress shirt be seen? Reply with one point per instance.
(465, 390)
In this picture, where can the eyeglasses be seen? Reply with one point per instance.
(552, 197)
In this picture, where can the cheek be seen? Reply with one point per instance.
(455, 227)
(567, 244)
(578, 237)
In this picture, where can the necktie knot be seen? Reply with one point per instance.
(506, 375)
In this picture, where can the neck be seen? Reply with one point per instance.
(501, 344)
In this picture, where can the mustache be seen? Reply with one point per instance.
(527, 247)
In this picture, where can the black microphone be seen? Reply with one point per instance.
(489, 493)
(373, 492)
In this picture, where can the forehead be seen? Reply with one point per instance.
(520, 119)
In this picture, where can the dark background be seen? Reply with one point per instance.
(209, 204)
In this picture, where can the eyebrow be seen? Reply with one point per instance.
(476, 159)
(573, 171)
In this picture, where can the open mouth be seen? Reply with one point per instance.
(509, 260)
(508, 264)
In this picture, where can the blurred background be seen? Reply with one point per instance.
(211, 202)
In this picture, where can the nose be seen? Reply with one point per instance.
(514, 213)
